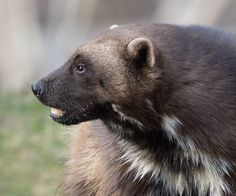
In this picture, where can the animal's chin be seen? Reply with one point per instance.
(74, 117)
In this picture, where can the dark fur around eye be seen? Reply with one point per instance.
(80, 68)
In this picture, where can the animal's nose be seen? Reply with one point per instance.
(37, 88)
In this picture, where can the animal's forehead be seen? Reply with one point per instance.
(101, 51)
(99, 46)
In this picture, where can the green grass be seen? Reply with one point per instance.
(31, 148)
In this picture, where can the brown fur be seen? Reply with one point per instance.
(95, 166)
(166, 95)
(87, 172)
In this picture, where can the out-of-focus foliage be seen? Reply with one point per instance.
(31, 148)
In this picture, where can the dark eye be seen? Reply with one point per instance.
(80, 68)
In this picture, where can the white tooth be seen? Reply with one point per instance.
(56, 112)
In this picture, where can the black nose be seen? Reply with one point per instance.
(37, 89)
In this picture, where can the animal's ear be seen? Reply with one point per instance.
(113, 26)
(141, 52)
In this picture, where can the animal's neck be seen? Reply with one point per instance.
(173, 167)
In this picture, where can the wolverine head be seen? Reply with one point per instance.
(114, 68)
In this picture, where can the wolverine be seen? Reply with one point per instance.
(155, 106)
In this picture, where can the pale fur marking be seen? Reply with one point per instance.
(124, 117)
(150, 106)
(211, 176)
(171, 125)
(142, 163)
(214, 169)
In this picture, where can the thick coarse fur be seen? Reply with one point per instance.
(99, 165)
(165, 97)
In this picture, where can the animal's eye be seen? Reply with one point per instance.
(80, 68)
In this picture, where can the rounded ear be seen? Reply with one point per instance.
(141, 51)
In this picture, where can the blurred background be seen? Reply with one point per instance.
(38, 36)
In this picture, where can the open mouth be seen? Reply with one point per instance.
(57, 113)
(73, 117)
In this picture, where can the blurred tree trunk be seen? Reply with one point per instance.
(20, 42)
